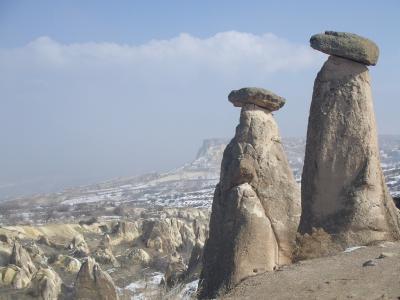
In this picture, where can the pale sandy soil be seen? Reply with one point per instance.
(338, 277)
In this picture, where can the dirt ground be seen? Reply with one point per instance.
(342, 276)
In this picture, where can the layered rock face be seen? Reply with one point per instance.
(343, 188)
(256, 206)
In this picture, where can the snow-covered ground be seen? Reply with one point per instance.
(192, 185)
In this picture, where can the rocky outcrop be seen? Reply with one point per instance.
(103, 254)
(13, 276)
(256, 204)
(78, 246)
(172, 234)
(125, 231)
(343, 188)
(21, 258)
(45, 285)
(66, 263)
(346, 45)
(138, 256)
(93, 283)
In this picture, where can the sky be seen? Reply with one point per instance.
(92, 90)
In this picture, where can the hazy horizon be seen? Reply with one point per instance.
(92, 91)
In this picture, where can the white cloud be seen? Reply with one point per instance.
(224, 52)
(113, 109)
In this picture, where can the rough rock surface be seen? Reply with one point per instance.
(14, 276)
(46, 284)
(139, 256)
(171, 234)
(256, 206)
(21, 258)
(67, 263)
(104, 254)
(346, 45)
(93, 283)
(258, 96)
(79, 246)
(343, 188)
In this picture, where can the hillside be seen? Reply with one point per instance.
(342, 276)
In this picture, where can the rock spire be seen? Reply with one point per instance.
(343, 187)
(256, 204)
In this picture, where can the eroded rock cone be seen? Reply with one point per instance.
(92, 283)
(21, 258)
(46, 284)
(343, 188)
(256, 206)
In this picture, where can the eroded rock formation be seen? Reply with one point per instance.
(45, 285)
(21, 258)
(93, 283)
(256, 205)
(343, 188)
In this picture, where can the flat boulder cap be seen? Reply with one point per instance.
(346, 45)
(257, 96)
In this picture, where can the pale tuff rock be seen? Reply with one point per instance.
(79, 246)
(45, 285)
(125, 231)
(67, 263)
(21, 258)
(343, 188)
(346, 45)
(14, 276)
(93, 283)
(170, 234)
(139, 256)
(258, 96)
(103, 254)
(256, 206)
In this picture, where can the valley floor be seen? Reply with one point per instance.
(342, 276)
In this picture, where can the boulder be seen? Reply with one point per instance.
(93, 283)
(258, 96)
(256, 206)
(343, 187)
(346, 45)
